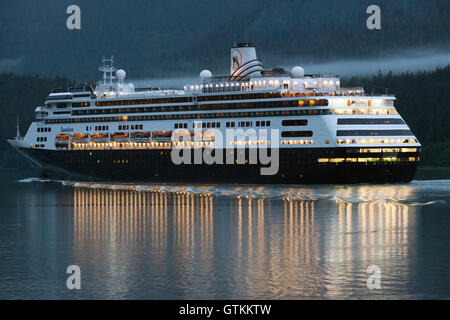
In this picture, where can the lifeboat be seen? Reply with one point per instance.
(180, 135)
(206, 135)
(62, 140)
(140, 136)
(161, 135)
(79, 138)
(99, 137)
(120, 137)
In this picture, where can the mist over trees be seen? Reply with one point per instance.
(178, 37)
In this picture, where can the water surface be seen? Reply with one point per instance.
(224, 241)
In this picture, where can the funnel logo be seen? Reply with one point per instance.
(236, 60)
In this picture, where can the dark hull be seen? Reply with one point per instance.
(297, 166)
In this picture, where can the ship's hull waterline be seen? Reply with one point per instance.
(296, 166)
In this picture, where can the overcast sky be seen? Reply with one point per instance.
(178, 38)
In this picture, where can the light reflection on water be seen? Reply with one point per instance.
(153, 241)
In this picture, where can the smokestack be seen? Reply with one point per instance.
(244, 61)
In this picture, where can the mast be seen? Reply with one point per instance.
(18, 136)
(108, 70)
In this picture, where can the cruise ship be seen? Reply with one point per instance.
(251, 126)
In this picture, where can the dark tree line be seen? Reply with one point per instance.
(423, 99)
(19, 96)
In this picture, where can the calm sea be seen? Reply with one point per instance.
(223, 241)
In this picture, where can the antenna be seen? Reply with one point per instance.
(18, 137)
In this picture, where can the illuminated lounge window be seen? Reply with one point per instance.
(81, 104)
(376, 141)
(312, 102)
(301, 141)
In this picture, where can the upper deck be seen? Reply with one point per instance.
(248, 86)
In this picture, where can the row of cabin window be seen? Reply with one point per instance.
(294, 134)
(248, 124)
(140, 101)
(244, 96)
(207, 125)
(62, 105)
(180, 125)
(188, 99)
(243, 124)
(81, 104)
(294, 122)
(133, 127)
(41, 139)
(121, 127)
(99, 128)
(215, 106)
(200, 116)
(45, 129)
(301, 102)
(262, 123)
